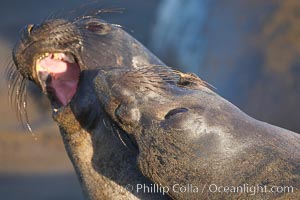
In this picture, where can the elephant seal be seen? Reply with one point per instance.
(174, 134)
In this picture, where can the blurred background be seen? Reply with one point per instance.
(249, 50)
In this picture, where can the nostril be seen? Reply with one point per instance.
(29, 28)
(175, 111)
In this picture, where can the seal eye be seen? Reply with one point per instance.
(98, 27)
(175, 111)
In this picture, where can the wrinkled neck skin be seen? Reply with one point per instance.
(104, 165)
(192, 137)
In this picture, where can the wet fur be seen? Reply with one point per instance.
(94, 143)
(172, 123)
(187, 134)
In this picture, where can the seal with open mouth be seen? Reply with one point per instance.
(170, 127)
(62, 57)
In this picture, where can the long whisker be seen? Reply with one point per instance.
(18, 96)
(14, 80)
(24, 102)
(10, 66)
(94, 14)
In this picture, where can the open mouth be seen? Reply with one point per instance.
(58, 74)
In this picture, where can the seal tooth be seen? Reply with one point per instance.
(69, 58)
(56, 56)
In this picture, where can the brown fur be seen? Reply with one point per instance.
(175, 129)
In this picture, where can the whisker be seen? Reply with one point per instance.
(10, 71)
(24, 100)
(75, 13)
(119, 136)
(116, 132)
(17, 94)
(54, 14)
(18, 99)
(95, 14)
(117, 25)
(106, 124)
(15, 79)
(10, 64)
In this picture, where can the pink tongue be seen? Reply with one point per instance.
(64, 77)
(64, 90)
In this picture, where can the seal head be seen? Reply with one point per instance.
(63, 57)
(53, 54)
